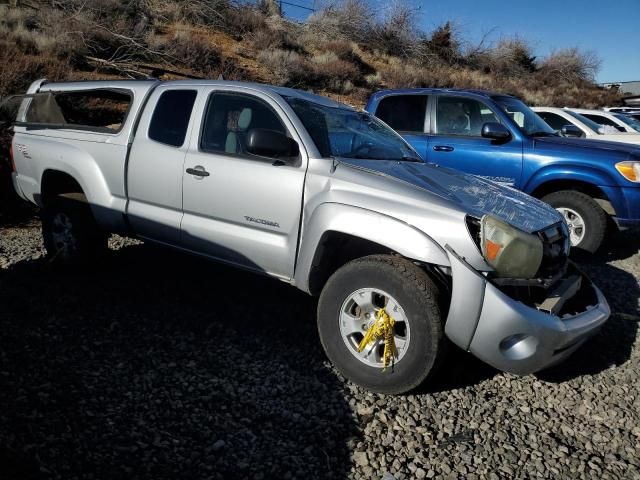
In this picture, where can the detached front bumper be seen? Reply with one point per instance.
(512, 336)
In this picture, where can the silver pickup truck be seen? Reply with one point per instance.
(403, 254)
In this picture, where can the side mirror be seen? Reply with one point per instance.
(495, 131)
(571, 131)
(271, 144)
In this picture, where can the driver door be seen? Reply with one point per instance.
(455, 141)
(238, 207)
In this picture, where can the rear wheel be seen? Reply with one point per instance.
(70, 232)
(351, 304)
(586, 220)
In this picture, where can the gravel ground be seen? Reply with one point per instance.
(158, 365)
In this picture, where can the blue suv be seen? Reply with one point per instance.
(498, 137)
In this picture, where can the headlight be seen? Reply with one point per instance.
(629, 170)
(511, 252)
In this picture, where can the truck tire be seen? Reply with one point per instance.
(70, 232)
(586, 219)
(346, 310)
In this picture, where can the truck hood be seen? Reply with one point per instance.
(610, 148)
(474, 195)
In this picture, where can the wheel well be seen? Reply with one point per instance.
(55, 183)
(334, 250)
(587, 188)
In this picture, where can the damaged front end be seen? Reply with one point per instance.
(522, 324)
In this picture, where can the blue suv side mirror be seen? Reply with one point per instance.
(495, 131)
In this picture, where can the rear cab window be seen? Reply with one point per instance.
(171, 116)
(98, 110)
(403, 113)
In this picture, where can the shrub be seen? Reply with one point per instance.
(243, 20)
(333, 73)
(374, 80)
(571, 65)
(511, 57)
(346, 49)
(26, 68)
(270, 38)
(186, 47)
(287, 67)
(341, 48)
(399, 75)
(397, 33)
(328, 65)
(210, 13)
(441, 47)
(346, 19)
(192, 50)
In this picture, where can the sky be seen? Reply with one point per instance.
(610, 28)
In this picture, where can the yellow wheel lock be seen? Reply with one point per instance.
(382, 328)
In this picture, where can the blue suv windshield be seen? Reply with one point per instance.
(526, 119)
(346, 133)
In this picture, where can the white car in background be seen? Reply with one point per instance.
(619, 121)
(627, 111)
(572, 124)
(630, 111)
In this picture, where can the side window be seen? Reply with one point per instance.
(604, 121)
(554, 120)
(404, 113)
(171, 116)
(230, 117)
(100, 110)
(462, 116)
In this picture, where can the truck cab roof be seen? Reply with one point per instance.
(43, 85)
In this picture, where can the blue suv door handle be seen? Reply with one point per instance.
(442, 148)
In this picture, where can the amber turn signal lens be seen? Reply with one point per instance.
(492, 250)
(629, 170)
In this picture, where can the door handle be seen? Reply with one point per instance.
(198, 171)
(443, 148)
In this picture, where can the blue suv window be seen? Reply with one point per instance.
(462, 116)
(403, 113)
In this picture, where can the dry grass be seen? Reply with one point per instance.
(345, 50)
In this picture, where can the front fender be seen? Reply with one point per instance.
(398, 236)
(567, 173)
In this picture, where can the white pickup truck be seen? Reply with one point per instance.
(403, 254)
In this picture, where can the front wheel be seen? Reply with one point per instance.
(586, 220)
(356, 299)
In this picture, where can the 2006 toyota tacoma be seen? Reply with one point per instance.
(402, 253)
